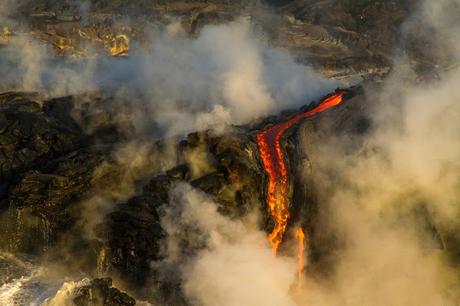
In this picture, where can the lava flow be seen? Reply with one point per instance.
(301, 237)
(271, 153)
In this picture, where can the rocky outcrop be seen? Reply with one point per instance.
(53, 154)
(101, 293)
(232, 176)
(30, 134)
(40, 205)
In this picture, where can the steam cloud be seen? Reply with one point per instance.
(233, 264)
(393, 206)
(225, 76)
(229, 76)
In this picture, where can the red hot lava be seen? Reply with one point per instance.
(301, 238)
(271, 153)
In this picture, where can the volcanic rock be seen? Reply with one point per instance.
(53, 154)
(133, 231)
(42, 203)
(57, 153)
(341, 38)
(235, 180)
(101, 293)
(30, 136)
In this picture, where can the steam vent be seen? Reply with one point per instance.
(231, 153)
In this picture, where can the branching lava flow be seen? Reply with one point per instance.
(271, 153)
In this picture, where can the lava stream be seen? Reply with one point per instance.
(271, 153)
(301, 237)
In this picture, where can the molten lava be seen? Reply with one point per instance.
(271, 153)
(301, 237)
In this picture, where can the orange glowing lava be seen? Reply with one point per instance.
(271, 153)
(301, 237)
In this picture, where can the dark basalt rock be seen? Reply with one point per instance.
(40, 203)
(181, 172)
(49, 153)
(133, 231)
(343, 38)
(29, 136)
(236, 182)
(50, 149)
(101, 293)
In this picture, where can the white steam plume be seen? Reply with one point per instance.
(393, 205)
(387, 255)
(227, 75)
(392, 202)
(233, 263)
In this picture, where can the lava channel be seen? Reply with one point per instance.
(271, 153)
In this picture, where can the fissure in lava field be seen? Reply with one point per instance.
(271, 153)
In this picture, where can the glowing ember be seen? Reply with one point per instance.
(301, 237)
(271, 153)
(118, 45)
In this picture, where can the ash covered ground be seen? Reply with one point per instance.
(132, 171)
